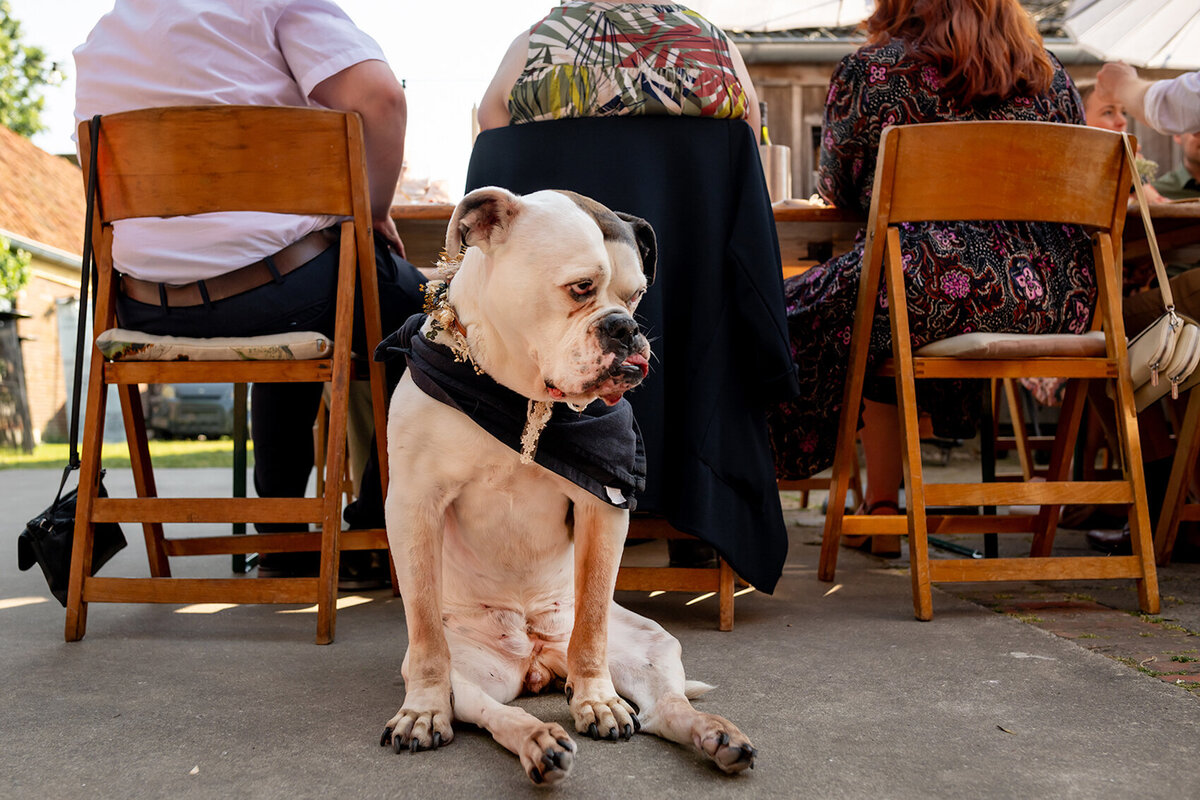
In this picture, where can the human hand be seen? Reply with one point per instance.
(1113, 76)
(386, 228)
(1121, 82)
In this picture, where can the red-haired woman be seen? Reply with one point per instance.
(928, 61)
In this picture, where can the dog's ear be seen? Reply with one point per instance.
(482, 219)
(646, 243)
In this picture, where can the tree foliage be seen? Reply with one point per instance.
(14, 273)
(25, 71)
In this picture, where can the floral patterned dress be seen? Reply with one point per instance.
(588, 60)
(963, 276)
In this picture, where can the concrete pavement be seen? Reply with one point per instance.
(842, 691)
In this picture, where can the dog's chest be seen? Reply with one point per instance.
(515, 513)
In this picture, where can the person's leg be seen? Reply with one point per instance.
(400, 297)
(281, 421)
(282, 414)
(880, 437)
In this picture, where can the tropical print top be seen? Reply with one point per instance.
(600, 60)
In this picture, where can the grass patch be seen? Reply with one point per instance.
(165, 454)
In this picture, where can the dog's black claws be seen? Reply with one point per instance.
(535, 775)
(566, 743)
(723, 739)
(386, 738)
(397, 744)
(637, 723)
(550, 760)
(414, 745)
(593, 731)
(748, 754)
(437, 740)
(613, 734)
(627, 732)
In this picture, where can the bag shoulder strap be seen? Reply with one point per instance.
(1164, 284)
(87, 276)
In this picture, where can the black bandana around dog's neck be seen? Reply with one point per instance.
(598, 449)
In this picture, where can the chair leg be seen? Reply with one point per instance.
(836, 510)
(1139, 518)
(1020, 433)
(1187, 449)
(725, 596)
(914, 496)
(89, 472)
(143, 474)
(1069, 418)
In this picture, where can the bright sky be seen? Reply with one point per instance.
(445, 51)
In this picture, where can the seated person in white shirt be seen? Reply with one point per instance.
(176, 273)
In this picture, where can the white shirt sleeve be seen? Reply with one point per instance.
(1173, 106)
(318, 40)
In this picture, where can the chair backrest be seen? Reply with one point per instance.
(1002, 170)
(165, 162)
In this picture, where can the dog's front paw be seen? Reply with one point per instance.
(547, 754)
(720, 740)
(423, 723)
(598, 711)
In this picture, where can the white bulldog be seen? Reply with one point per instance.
(507, 569)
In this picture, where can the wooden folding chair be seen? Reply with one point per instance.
(998, 171)
(719, 580)
(167, 162)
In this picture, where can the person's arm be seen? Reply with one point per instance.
(371, 89)
(1173, 106)
(1169, 106)
(849, 138)
(753, 116)
(493, 108)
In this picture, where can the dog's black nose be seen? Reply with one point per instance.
(618, 329)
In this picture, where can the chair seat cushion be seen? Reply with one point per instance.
(119, 344)
(1017, 345)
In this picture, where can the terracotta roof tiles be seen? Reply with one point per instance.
(41, 195)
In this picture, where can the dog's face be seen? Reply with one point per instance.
(546, 292)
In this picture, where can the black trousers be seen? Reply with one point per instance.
(282, 414)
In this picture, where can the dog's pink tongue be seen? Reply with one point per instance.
(638, 360)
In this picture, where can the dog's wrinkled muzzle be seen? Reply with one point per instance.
(619, 334)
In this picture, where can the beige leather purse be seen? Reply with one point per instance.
(1165, 355)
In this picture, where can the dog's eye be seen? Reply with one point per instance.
(636, 298)
(583, 288)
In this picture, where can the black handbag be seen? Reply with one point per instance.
(48, 538)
